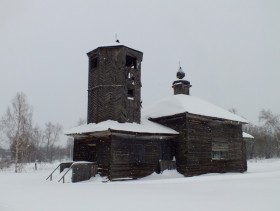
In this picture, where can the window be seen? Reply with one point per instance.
(220, 151)
(130, 76)
(130, 94)
(131, 62)
(219, 155)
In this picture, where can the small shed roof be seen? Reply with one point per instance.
(247, 135)
(146, 126)
(181, 103)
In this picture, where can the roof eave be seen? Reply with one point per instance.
(144, 133)
(112, 46)
(90, 134)
(196, 115)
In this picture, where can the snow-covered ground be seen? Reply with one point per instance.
(257, 190)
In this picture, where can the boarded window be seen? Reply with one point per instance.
(220, 151)
(131, 62)
(121, 156)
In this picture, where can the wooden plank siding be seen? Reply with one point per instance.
(111, 81)
(193, 147)
(125, 155)
(84, 150)
(133, 155)
(137, 155)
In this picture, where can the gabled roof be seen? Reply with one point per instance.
(146, 126)
(181, 103)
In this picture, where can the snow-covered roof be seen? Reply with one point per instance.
(112, 44)
(146, 126)
(181, 103)
(115, 44)
(247, 135)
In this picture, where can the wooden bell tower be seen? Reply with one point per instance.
(114, 84)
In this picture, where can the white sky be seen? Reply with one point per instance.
(229, 50)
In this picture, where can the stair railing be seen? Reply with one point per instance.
(62, 178)
(50, 176)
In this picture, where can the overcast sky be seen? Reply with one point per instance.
(229, 50)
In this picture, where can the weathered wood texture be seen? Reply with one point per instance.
(137, 155)
(181, 87)
(64, 165)
(83, 171)
(125, 155)
(114, 84)
(94, 150)
(193, 147)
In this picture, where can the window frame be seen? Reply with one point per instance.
(220, 150)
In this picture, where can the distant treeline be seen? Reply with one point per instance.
(266, 142)
(29, 143)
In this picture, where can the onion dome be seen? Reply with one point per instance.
(180, 73)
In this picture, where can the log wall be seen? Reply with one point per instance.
(83, 171)
(193, 147)
(114, 84)
(137, 155)
(94, 150)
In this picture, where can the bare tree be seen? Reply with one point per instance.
(233, 110)
(266, 143)
(81, 121)
(36, 144)
(2, 139)
(271, 121)
(51, 136)
(17, 124)
(272, 126)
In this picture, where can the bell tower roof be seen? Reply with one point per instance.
(112, 45)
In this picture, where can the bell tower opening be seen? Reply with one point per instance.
(131, 62)
(130, 94)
